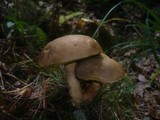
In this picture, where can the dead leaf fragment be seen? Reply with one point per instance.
(139, 88)
(142, 78)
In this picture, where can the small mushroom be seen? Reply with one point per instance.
(68, 50)
(99, 68)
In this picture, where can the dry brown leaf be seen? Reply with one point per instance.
(154, 111)
(139, 88)
(142, 78)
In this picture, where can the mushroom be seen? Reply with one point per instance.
(99, 69)
(68, 50)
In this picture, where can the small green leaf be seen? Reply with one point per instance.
(64, 18)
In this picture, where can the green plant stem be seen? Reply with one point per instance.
(102, 21)
(154, 51)
(151, 42)
(147, 9)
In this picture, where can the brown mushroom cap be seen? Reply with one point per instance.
(100, 68)
(68, 49)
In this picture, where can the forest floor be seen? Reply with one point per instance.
(31, 92)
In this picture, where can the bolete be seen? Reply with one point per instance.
(68, 50)
(101, 70)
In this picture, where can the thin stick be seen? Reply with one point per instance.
(13, 76)
(17, 90)
(2, 79)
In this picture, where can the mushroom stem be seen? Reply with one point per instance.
(91, 91)
(73, 84)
